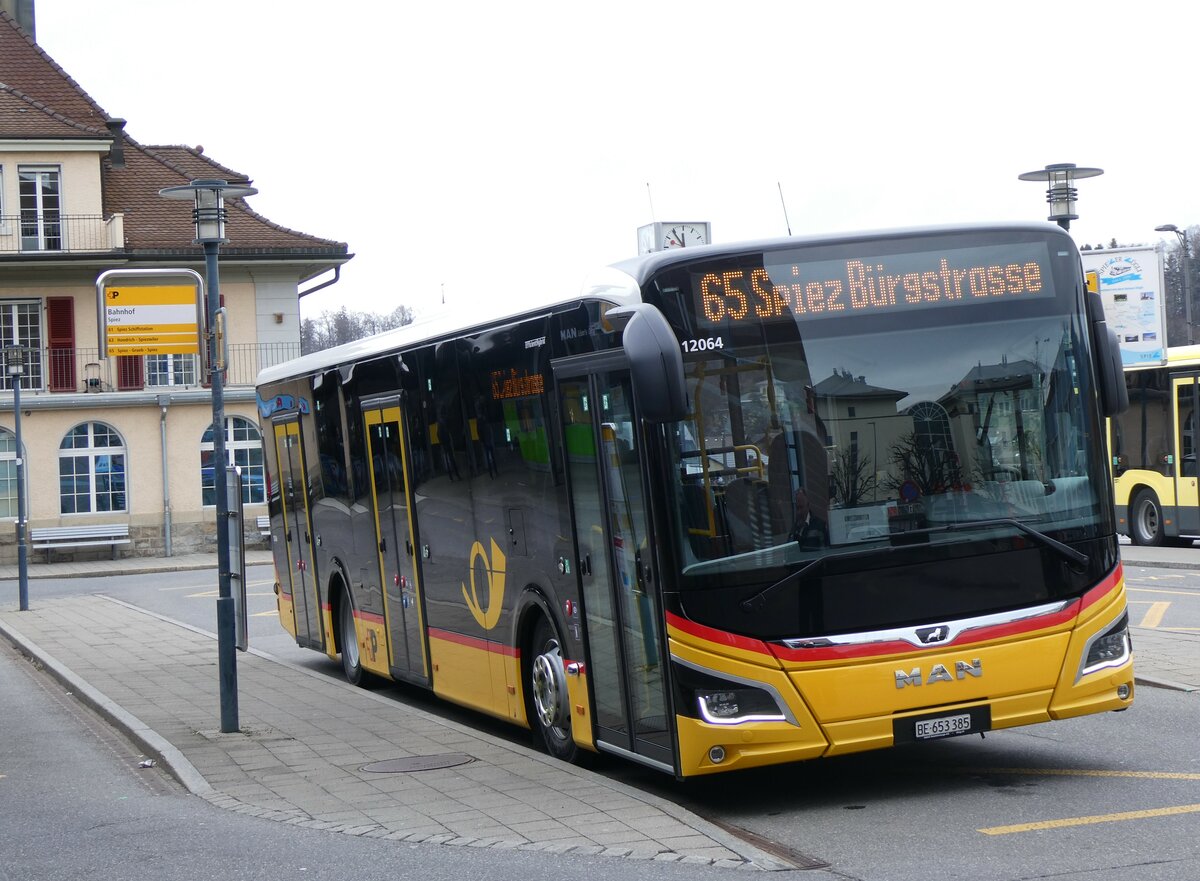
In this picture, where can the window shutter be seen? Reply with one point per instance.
(130, 375)
(60, 343)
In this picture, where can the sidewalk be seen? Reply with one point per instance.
(306, 741)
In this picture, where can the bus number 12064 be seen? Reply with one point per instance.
(705, 344)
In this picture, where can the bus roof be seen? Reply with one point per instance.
(619, 284)
(608, 284)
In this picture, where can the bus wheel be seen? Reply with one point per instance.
(550, 704)
(348, 638)
(1146, 520)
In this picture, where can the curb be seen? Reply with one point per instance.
(145, 737)
(175, 763)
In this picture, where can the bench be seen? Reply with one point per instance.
(48, 538)
(264, 527)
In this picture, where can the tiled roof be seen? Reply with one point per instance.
(39, 100)
(26, 68)
(21, 117)
(842, 384)
(154, 223)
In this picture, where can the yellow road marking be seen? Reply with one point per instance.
(1087, 821)
(1178, 593)
(271, 614)
(1087, 772)
(1154, 614)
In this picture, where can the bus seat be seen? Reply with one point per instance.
(747, 509)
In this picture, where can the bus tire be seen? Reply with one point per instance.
(348, 642)
(546, 686)
(1146, 520)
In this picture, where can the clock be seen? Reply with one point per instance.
(685, 235)
(659, 236)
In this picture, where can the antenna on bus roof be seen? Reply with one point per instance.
(651, 198)
(786, 222)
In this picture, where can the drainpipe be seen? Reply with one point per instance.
(163, 402)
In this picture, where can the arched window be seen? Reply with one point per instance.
(931, 426)
(91, 470)
(8, 473)
(243, 449)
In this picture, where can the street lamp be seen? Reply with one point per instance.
(1061, 192)
(1187, 275)
(209, 218)
(14, 357)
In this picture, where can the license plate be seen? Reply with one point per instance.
(945, 726)
(971, 720)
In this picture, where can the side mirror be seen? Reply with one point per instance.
(655, 362)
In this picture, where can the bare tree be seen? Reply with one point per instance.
(930, 467)
(853, 478)
(331, 329)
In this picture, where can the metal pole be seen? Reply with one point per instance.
(226, 630)
(22, 547)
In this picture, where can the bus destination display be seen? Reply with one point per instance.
(862, 286)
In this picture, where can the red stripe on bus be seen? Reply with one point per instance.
(474, 642)
(849, 652)
(720, 637)
(369, 617)
(1105, 587)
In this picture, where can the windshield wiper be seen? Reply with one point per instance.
(1077, 557)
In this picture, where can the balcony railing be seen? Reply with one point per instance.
(74, 370)
(54, 233)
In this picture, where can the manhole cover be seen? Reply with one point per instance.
(418, 763)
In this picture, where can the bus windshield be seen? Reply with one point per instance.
(818, 430)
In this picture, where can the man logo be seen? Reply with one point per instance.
(933, 635)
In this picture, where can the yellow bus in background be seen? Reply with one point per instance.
(1153, 447)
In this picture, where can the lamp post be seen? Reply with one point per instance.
(1186, 260)
(14, 357)
(209, 218)
(1061, 192)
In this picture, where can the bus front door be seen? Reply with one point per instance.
(394, 538)
(621, 608)
(1187, 496)
(301, 574)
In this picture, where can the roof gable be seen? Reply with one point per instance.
(27, 69)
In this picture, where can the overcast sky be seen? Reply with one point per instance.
(494, 149)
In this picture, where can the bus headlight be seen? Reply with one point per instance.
(737, 705)
(722, 700)
(1111, 648)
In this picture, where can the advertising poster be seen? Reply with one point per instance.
(1131, 286)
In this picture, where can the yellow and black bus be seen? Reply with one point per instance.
(731, 505)
(1153, 447)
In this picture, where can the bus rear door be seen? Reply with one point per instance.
(625, 663)
(394, 537)
(301, 570)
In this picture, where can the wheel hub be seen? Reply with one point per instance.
(550, 688)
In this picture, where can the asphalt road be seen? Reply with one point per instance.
(1111, 796)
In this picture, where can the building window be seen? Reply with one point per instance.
(170, 370)
(91, 470)
(8, 473)
(41, 207)
(21, 325)
(243, 449)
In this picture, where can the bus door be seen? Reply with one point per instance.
(395, 540)
(621, 606)
(301, 570)
(1187, 496)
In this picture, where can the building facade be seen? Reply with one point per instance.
(124, 440)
